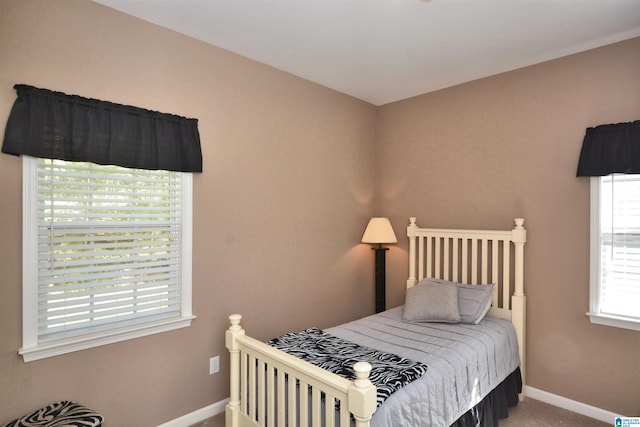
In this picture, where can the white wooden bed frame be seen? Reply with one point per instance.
(263, 377)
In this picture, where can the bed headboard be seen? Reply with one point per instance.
(475, 257)
(472, 257)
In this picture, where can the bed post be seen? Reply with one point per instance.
(411, 234)
(362, 395)
(233, 407)
(518, 300)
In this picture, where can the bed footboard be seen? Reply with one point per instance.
(272, 388)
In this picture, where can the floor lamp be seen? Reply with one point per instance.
(379, 231)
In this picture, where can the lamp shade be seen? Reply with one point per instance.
(379, 230)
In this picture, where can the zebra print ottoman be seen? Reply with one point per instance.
(59, 414)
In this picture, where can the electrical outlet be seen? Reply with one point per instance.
(214, 365)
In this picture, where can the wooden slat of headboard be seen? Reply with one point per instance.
(421, 257)
(436, 264)
(506, 277)
(485, 259)
(455, 262)
(445, 261)
(465, 261)
(495, 248)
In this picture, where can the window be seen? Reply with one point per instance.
(615, 251)
(106, 254)
(106, 249)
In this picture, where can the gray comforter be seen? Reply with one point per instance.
(465, 363)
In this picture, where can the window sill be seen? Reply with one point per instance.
(614, 321)
(56, 348)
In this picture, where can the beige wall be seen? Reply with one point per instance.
(283, 157)
(483, 153)
(286, 192)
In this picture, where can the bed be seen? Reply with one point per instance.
(468, 366)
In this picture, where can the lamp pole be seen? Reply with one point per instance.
(381, 273)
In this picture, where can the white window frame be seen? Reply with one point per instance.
(34, 350)
(595, 314)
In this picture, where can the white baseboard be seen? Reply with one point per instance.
(571, 405)
(197, 415)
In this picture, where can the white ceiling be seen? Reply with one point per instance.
(382, 51)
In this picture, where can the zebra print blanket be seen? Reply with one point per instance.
(389, 372)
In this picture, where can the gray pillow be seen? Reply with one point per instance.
(474, 302)
(430, 301)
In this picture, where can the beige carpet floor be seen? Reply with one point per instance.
(533, 413)
(529, 413)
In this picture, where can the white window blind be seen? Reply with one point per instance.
(109, 246)
(616, 291)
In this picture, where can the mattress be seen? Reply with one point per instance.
(465, 362)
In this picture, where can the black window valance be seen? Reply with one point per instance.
(608, 149)
(54, 125)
